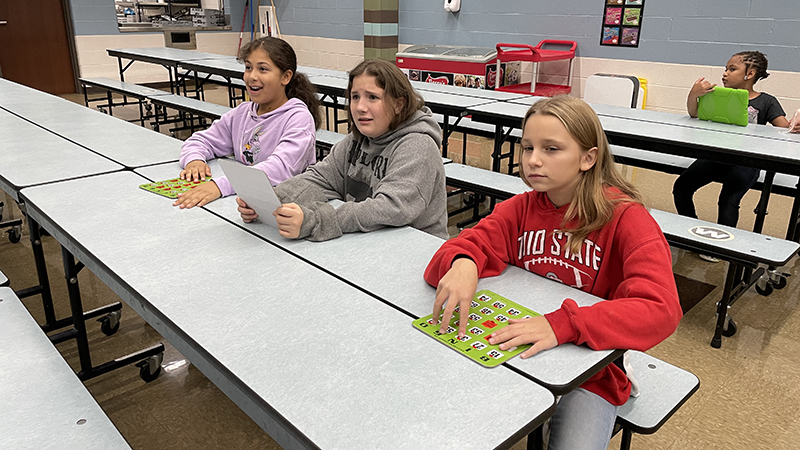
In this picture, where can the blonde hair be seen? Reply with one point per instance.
(592, 205)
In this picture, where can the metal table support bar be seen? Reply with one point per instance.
(87, 371)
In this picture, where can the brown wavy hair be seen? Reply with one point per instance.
(592, 205)
(396, 88)
(283, 55)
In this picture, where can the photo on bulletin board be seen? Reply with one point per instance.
(610, 36)
(631, 17)
(613, 16)
(630, 36)
(622, 22)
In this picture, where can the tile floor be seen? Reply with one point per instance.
(749, 396)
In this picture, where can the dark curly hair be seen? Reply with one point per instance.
(283, 55)
(755, 60)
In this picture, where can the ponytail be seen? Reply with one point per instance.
(300, 87)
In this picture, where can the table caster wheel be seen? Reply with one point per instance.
(14, 235)
(730, 328)
(764, 291)
(150, 368)
(109, 324)
(780, 284)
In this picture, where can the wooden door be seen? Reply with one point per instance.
(34, 46)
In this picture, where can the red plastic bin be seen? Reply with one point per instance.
(524, 52)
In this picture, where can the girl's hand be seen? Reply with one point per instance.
(456, 288)
(290, 219)
(534, 330)
(794, 124)
(701, 87)
(195, 171)
(199, 196)
(248, 215)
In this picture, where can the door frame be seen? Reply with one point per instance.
(73, 51)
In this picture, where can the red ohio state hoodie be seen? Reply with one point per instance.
(627, 262)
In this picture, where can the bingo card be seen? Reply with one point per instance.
(171, 188)
(488, 313)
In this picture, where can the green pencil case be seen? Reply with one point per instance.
(724, 105)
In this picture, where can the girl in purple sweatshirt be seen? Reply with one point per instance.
(274, 132)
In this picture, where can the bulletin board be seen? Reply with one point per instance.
(622, 23)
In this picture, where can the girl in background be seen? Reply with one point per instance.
(743, 70)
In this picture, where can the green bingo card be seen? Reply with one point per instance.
(171, 188)
(488, 313)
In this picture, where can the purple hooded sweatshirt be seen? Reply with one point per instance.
(281, 142)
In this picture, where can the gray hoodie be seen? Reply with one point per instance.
(396, 179)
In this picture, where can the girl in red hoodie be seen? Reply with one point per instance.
(585, 226)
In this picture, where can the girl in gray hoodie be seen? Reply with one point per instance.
(388, 170)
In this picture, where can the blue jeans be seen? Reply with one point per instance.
(582, 420)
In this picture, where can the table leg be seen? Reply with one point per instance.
(498, 147)
(536, 439)
(761, 211)
(149, 359)
(791, 232)
(446, 134)
(722, 306)
(43, 287)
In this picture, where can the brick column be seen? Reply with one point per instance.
(380, 29)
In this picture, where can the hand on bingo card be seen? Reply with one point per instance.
(290, 219)
(195, 171)
(199, 196)
(701, 87)
(456, 288)
(248, 215)
(533, 330)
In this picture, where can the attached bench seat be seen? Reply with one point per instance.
(141, 93)
(44, 404)
(744, 250)
(122, 87)
(185, 105)
(191, 105)
(663, 389)
(481, 182)
(730, 244)
(474, 179)
(326, 140)
(783, 184)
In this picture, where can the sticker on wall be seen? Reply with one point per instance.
(622, 22)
